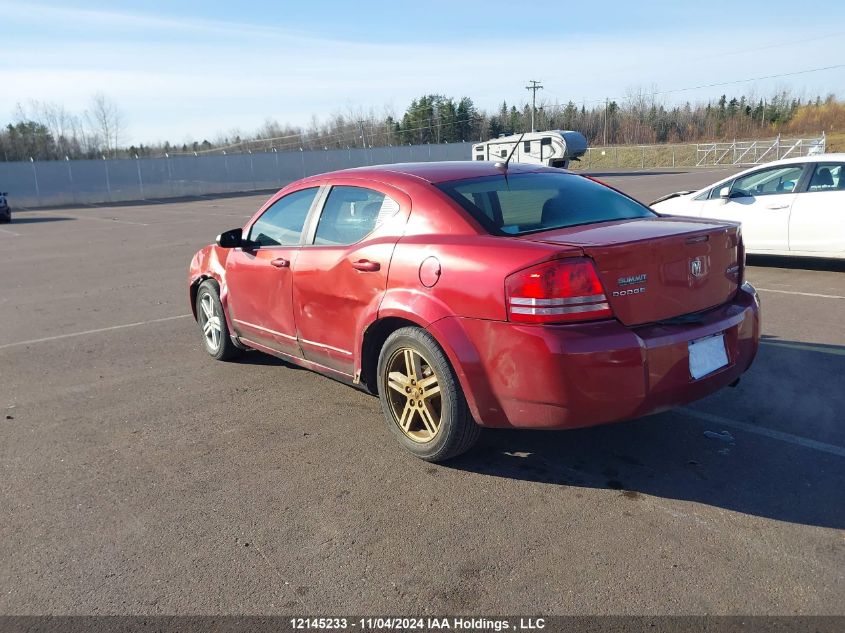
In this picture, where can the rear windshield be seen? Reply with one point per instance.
(525, 203)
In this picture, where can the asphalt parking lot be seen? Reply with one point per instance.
(141, 477)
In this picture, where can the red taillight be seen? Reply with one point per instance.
(559, 291)
(736, 272)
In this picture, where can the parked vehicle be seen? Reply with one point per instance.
(786, 207)
(5, 211)
(554, 148)
(468, 294)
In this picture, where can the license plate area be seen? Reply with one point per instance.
(706, 355)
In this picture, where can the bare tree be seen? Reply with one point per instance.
(63, 125)
(107, 121)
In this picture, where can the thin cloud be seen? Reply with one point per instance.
(94, 19)
(224, 76)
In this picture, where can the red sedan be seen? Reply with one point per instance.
(473, 294)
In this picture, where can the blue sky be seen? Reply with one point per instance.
(198, 69)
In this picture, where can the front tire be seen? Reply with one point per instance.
(212, 323)
(421, 398)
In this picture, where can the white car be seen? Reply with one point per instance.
(794, 206)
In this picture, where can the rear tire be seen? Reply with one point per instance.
(421, 397)
(212, 323)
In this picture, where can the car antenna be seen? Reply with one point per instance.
(504, 165)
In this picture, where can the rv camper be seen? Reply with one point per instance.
(554, 148)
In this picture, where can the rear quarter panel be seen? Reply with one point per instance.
(473, 264)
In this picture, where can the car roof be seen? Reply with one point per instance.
(434, 172)
(813, 158)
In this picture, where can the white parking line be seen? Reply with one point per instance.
(803, 294)
(8, 232)
(98, 330)
(761, 430)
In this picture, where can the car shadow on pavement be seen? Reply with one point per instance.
(799, 263)
(633, 172)
(253, 357)
(148, 201)
(17, 219)
(773, 447)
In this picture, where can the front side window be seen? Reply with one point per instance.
(716, 191)
(525, 203)
(767, 182)
(711, 194)
(826, 177)
(351, 213)
(281, 224)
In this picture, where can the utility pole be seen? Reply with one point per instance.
(605, 121)
(534, 87)
(363, 138)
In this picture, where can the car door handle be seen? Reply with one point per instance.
(280, 262)
(365, 265)
(777, 206)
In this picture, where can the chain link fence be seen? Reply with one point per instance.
(47, 183)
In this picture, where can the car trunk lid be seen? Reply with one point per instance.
(655, 269)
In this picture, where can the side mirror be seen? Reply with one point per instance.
(725, 193)
(230, 239)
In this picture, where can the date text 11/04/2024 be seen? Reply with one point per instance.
(420, 624)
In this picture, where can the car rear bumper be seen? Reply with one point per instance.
(570, 376)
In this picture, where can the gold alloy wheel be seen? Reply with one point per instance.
(413, 393)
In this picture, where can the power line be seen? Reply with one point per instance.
(302, 137)
(718, 84)
(742, 81)
(351, 133)
(779, 45)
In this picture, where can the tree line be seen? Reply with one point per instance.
(45, 131)
(48, 131)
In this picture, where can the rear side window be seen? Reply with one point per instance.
(715, 191)
(281, 224)
(826, 177)
(351, 213)
(524, 203)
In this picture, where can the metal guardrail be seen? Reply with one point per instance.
(748, 153)
(734, 153)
